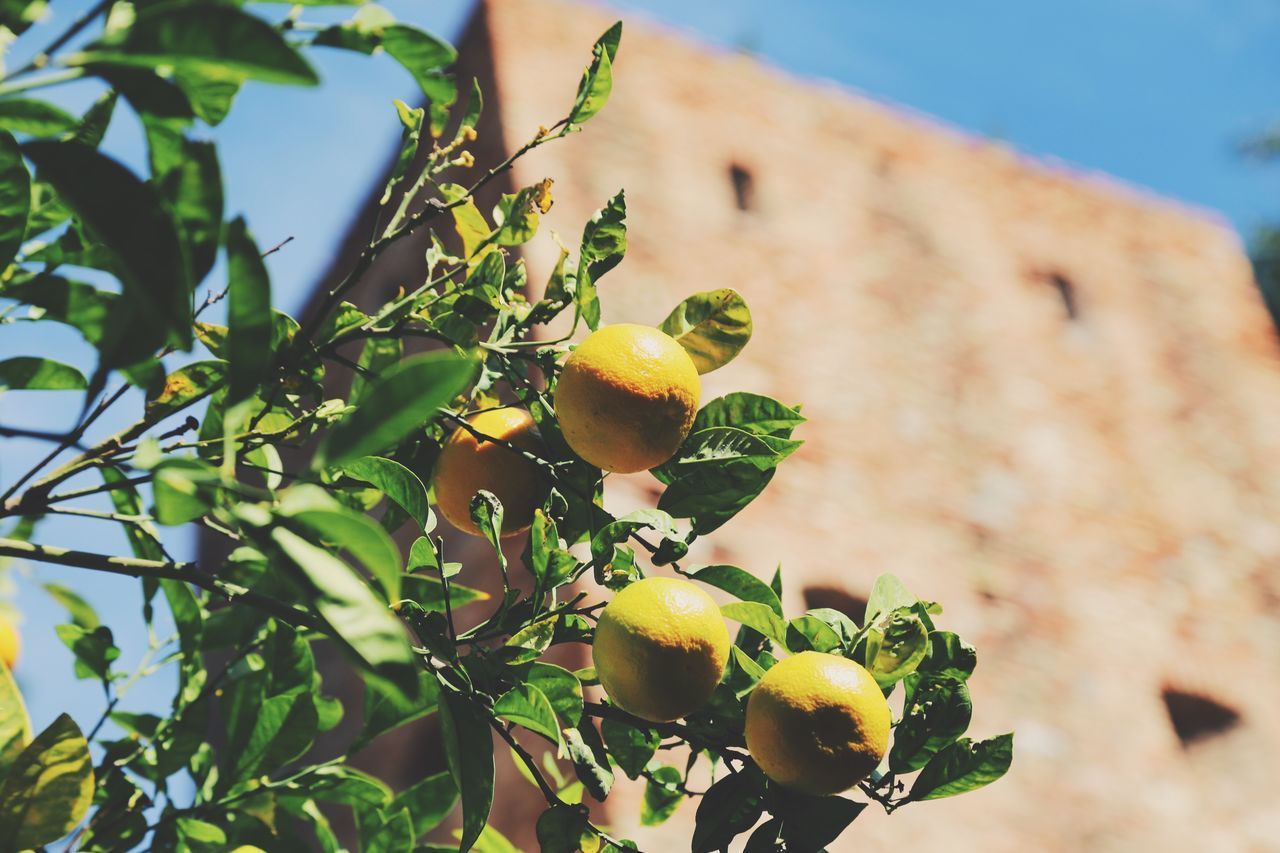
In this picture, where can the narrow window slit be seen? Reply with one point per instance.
(744, 190)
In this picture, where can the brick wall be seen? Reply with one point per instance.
(1042, 397)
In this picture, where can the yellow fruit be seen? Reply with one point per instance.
(817, 723)
(627, 397)
(660, 648)
(10, 642)
(467, 465)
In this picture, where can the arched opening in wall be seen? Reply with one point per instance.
(1195, 717)
(836, 598)
(744, 187)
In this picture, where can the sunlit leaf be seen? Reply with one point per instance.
(404, 399)
(48, 788)
(15, 197)
(712, 326)
(28, 373)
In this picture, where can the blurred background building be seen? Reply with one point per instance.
(1040, 396)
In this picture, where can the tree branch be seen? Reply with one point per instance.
(139, 568)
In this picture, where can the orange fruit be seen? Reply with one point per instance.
(10, 642)
(467, 465)
(818, 723)
(660, 648)
(627, 397)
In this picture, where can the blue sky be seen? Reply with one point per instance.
(1155, 92)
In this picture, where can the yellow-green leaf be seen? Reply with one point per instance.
(49, 787)
(712, 326)
(15, 725)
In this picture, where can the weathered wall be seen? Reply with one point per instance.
(1038, 396)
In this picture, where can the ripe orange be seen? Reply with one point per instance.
(10, 642)
(467, 465)
(627, 397)
(818, 723)
(660, 648)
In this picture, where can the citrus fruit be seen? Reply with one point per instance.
(10, 642)
(627, 397)
(468, 464)
(660, 648)
(817, 723)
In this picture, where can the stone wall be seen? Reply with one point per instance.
(1041, 397)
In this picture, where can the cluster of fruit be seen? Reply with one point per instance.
(625, 401)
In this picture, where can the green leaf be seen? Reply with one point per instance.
(403, 400)
(936, 713)
(428, 593)
(347, 530)
(730, 806)
(530, 641)
(490, 841)
(662, 795)
(712, 326)
(561, 687)
(631, 748)
(896, 645)
(887, 594)
(401, 486)
(213, 40)
(18, 15)
(48, 788)
(963, 766)
(92, 126)
(79, 305)
(526, 705)
(248, 314)
(194, 189)
(811, 823)
(620, 529)
(597, 78)
(200, 836)
(949, 656)
(468, 221)
(15, 725)
(719, 471)
(758, 617)
(94, 649)
(130, 219)
(395, 835)
(486, 511)
(283, 729)
(28, 373)
(739, 583)
(519, 214)
(421, 54)
(590, 762)
(185, 386)
(604, 242)
(15, 197)
(754, 413)
(386, 708)
(181, 489)
(429, 801)
(410, 134)
(468, 749)
(365, 625)
(809, 632)
(565, 829)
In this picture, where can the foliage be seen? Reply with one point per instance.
(245, 431)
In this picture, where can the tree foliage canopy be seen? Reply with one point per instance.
(240, 427)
